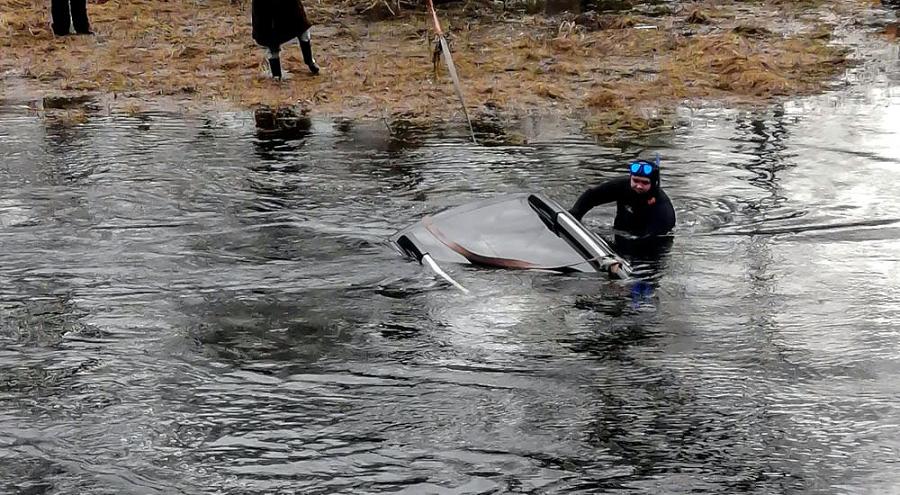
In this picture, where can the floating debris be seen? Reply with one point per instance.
(282, 120)
(66, 102)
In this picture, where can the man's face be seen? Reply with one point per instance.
(640, 185)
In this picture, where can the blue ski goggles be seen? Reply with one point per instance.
(641, 168)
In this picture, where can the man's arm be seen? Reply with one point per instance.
(607, 192)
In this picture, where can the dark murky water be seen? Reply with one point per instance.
(188, 307)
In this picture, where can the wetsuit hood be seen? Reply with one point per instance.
(653, 175)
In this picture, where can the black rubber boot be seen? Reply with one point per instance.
(80, 17)
(59, 15)
(306, 48)
(275, 67)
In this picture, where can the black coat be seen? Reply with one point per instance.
(277, 21)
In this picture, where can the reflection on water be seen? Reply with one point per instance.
(197, 306)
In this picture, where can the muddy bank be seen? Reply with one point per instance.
(617, 71)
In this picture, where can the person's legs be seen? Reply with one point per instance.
(59, 17)
(80, 17)
(306, 49)
(273, 55)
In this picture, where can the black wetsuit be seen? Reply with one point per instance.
(641, 215)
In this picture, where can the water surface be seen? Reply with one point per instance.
(190, 306)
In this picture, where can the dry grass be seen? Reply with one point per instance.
(201, 53)
(743, 67)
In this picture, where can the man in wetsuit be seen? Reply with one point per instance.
(643, 209)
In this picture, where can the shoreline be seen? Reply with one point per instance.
(619, 74)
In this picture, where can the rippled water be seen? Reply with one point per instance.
(190, 307)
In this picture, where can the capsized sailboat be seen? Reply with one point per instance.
(522, 232)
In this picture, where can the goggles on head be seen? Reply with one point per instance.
(641, 168)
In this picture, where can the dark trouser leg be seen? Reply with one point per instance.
(80, 17)
(59, 16)
(306, 49)
(275, 67)
(273, 55)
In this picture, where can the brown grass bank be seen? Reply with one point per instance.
(619, 72)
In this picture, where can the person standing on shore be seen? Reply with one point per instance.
(68, 14)
(276, 22)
